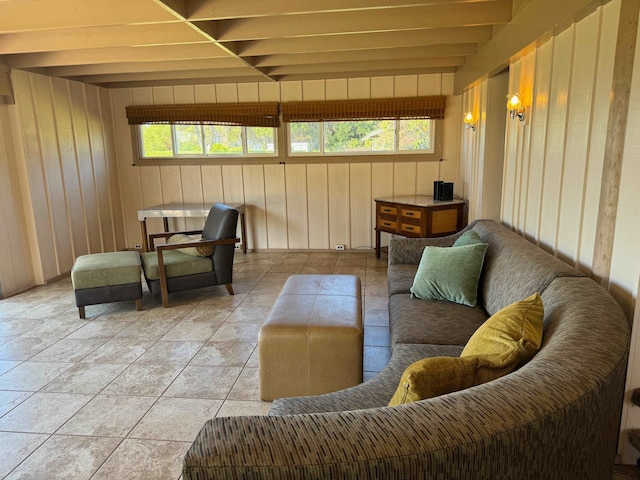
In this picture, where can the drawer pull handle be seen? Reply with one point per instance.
(386, 210)
(410, 214)
(409, 229)
(386, 224)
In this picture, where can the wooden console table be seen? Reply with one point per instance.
(179, 210)
(418, 216)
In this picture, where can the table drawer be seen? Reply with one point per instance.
(410, 229)
(388, 225)
(411, 213)
(387, 210)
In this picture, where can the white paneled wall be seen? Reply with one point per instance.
(290, 206)
(553, 162)
(71, 192)
(16, 268)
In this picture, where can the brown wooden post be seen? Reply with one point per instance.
(614, 147)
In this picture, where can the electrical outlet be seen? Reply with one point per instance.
(238, 246)
(340, 246)
(138, 246)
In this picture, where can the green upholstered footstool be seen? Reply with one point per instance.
(107, 277)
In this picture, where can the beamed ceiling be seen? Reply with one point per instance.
(154, 42)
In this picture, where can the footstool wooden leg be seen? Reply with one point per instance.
(138, 305)
(229, 288)
(81, 312)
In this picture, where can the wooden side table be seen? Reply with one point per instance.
(418, 216)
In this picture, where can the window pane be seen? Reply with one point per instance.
(188, 139)
(359, 136)
(304, 137)
(260, 140)
(415, 135)
(156, 141)
(223, 139)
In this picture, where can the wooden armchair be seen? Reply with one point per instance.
(175, 267)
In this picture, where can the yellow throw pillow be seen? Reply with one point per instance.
(505, 341)
(514, 334)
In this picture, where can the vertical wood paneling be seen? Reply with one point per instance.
(269, 92)
(556, 130)
(381, 186)
(67, 151)
(248, 92)
(538, 129)
(227, 93)
(291, 91)
(151, 189)
(318, 204)
(129, 177)
(382, 87)
(578, 133)
(339, 221)
(406, 86)
(276, 206)
(336, 89)
(204, 93)
(100, 166)
(255, 196)
(511, 149)
(360, 204)
(16, 266)
(212, 190)
(404, 178)
(53, 174)
(313, 90)
(429, 85)
(297, 217)
(359, 88)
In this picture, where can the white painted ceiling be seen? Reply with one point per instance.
(157, 42)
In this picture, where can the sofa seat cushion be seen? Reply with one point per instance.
(176, 264)
(436, 322)
(400, 278)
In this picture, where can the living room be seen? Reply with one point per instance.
(74, 184)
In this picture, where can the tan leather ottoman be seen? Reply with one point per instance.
(312, 341)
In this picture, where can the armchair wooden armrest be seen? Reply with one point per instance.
(164, 291)
(166, 235)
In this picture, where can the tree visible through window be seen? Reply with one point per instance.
(361, 136)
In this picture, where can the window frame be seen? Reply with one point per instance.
(376, 153)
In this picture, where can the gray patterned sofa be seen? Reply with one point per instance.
(557, 417)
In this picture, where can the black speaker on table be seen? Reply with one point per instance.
(442, 190)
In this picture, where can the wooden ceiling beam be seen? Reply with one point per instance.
(211, 74)
(98, 37)
(161, 66)
(452, 50)
(228, 9)
(388, 65)
(361, 41)
(368, 73)
(406, 18)
(92, 56)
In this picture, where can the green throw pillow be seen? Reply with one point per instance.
(470, 237)
(450, 274)
(507, 340)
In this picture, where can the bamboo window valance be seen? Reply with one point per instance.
(369, 109)
(243, 114)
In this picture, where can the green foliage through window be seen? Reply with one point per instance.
(161, 141)
(361, 136)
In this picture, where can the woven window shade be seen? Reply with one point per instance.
(372, 109)
(244, 114)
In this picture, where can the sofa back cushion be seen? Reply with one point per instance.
(514, 267)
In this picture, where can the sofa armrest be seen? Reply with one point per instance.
(409, 250)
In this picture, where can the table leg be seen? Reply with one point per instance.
(143, 230)
(165, 222)
(243, 231)
(377, 243)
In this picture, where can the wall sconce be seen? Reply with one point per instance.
(515, 107)
(469, 121)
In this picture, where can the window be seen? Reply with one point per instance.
(198, 140)
(361, 137)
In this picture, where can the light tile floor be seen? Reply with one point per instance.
(123, 393)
